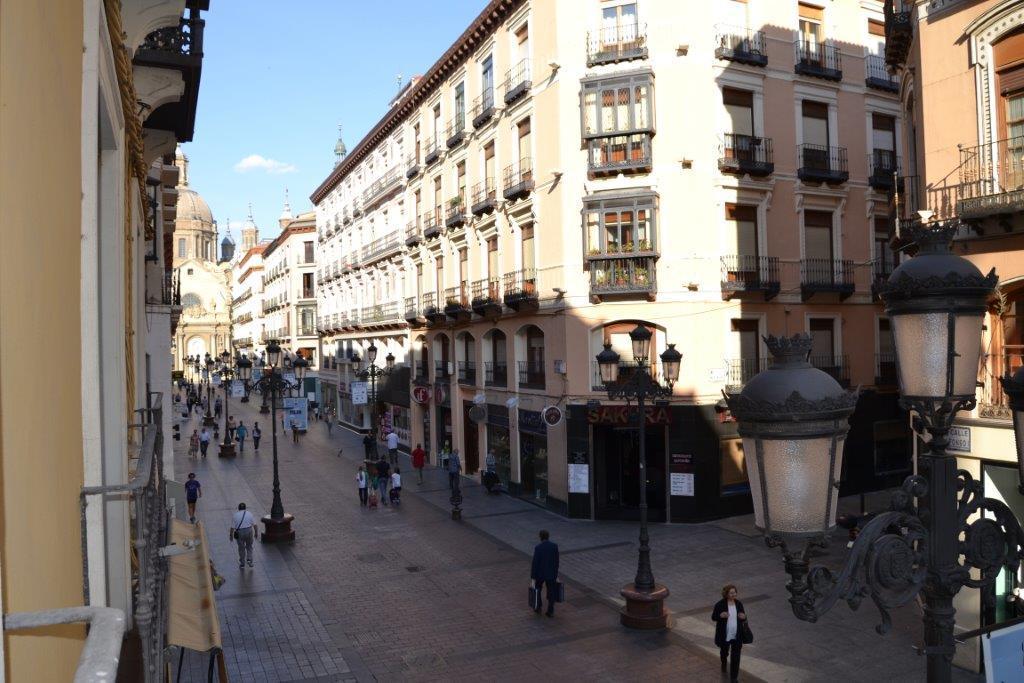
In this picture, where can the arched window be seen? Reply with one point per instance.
(530, 349)
(495, 359)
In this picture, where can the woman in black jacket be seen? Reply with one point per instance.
(727, 615)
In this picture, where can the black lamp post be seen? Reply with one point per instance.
(372, 373)
(243, 362)
(645, 599)
(208, 419)
(1013, 385)
(227, 447)
(793, 421)
(278, 524)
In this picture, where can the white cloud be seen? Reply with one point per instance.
(255, 162)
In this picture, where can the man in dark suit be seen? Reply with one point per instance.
(545, 570)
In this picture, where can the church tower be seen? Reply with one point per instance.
(340, 151)
(250, 233)
(286, 214)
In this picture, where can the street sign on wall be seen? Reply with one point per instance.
(360, 394)
(959, 439)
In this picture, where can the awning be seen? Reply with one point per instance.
(193, 622)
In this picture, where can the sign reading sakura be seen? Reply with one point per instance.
(421, 395)
(552, 415)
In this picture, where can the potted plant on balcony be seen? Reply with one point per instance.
(620, 276)
(594, 252)
(641, 276)
(627, 247)
(644, 245)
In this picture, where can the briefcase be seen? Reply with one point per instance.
(534, 598)
(559, 591)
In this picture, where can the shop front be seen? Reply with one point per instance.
(499, 442)
(470, 440)
(533, 456)
(617, 462)
(395, 407)
(421, 397)
(443, 419)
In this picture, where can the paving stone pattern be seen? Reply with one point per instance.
(407, 594)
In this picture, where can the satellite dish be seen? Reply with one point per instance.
(480, 399)
(478, 414)
(512, 402)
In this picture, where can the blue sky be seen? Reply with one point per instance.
(279, 77)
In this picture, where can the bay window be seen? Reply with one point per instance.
(618, 121)
(620, 225)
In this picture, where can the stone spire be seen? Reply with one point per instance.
(340, 151)
(286, 214)
(181, 161)
(250, 233)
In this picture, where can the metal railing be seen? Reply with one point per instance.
(520, 285)
(441, 370)
(825, 273)
(741, 45)
(432, 150)
(457, 297)
(531, 374)
(412, 165)
(818, 59)
(878, 76)
(883, 166)
(413, 234)
(885, 369)
(467, 372)
(456, 130)
(993, 402)
(102, 650)
(496, 374)
(455, 215)
(746, 154)
(617, 44)
(485, 197)
(150, 517)
(430, 304)
(432, 223)
(991, 178)
(482, 109)
(623, 275)
(620, 153)
(836, 366)
(899, 30)
(389, 181)
(486, 291)
(518, 179)
(412, 308)
(382, 246)
(517, 81)
(742, 272)
(822, 163)
(739, 371)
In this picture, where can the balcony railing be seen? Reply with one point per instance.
(380, 187)
(518, 179)
(993, 403)
(620, 154)
(496, 374)
(623, 275)
(617, 44)
(482, 109)
(420, 373)
(413, 313)
(412, 166)
(877, 76)
(883, 166)
(822, 275)
(441, 370)
(432, 223)
(991, 179)
(456, 302)
(455, 216)
(743, 273)
(531, 374)
(517, 81)
(520, 288)
(486, 297)
(430, 307)
(379, 314)
(746, 154)
(741, 45)
(467, 372)
(885, 369)
(413, 234)
(433, 150)
(627, 369)
(899, 31)
(742, 370)
(836, 366)
(905, 201)
(881, 269)
(381, 247)
(485, 197)
(818, 60)
(456, 131)
(821, 164)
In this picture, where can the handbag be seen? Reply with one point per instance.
(746, 635)
(559, 591)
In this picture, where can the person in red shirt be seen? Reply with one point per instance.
(419, 457)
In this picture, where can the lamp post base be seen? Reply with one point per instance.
(278, 530)
(456, 513)
(209, 421)
(644, 611)
(227, 450)
(264, 409)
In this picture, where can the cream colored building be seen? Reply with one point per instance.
(289, 288)
(247, 302)
(565, 171)
(962, 96)
(94, 95)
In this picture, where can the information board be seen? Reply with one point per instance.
(296, 413)
(579, 478)
(359, 393)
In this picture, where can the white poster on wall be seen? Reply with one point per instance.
(296, 413)
(237, 389)
(682, 483)
(579, 478)
(359, 393)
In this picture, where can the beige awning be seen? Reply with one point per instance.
(193, 622)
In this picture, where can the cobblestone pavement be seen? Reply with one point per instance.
(408, 594)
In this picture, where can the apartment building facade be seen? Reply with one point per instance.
(565, 173)
(289, 304)
(247, 303)
(962, 96)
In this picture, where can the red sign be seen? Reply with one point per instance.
(421, 395)
(625, 416)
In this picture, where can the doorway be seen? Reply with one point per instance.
(471, 440)
(617, 475)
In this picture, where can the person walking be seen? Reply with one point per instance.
(256, 434)
(240, 433)
(193, 492)
(442, 457)
(204, 441)
(368, 446)
(393, 447)
(454, 468)
(382, 479)
(329, 418)
(217, 408)
(193, 444)
(231, 427)
(295, 431)
(419, 458)
(361, 482)
(243, 532)
(727, 615)
(544, 571)
(396, 485)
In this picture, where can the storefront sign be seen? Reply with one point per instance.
(959, 439)
(579, 478)
(552, 416)
(626, 415)
(359, 394)
(296, 413)
(421, 395)
(531, 421)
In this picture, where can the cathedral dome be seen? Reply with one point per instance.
(192, 207)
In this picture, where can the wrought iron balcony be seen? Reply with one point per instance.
(991, 179)
(432, 310)
(485, 197)
(531, 374)
(455, 216)
(486, 299)
(381, 187)
(820, 164)
(413, 315)
(824, 275)
(517, 81)
(878, 77)
(741, 45)
(176, 48)
(456, 131)
(622, 275)
(456, 303)
(433, 151)
(496, 374)
(381, 247)
(836, 366)
(899, 31)
(467, 372)
(520, 288)
(746, 154)
(413, 234)
(742, 273)
(420, 373)
(432, 223)
(381, 314)
(883, 166)
(442, 370)
(881, 269)
(518, 179)
(617, 44)
(818, 60)
(620, 154)
(885, 369)
(739, 371)
(412, 166)
(482, 109)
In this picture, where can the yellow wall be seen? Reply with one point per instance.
(40, 397)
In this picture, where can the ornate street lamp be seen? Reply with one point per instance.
(645, 599)
(372, 373)
(244, 368)
(793, 422)
(278, 524)
(227, 447)
(1013, 385)
(208, 367)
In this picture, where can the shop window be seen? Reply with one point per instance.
(733, 472)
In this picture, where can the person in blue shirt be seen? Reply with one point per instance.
(193, 492)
